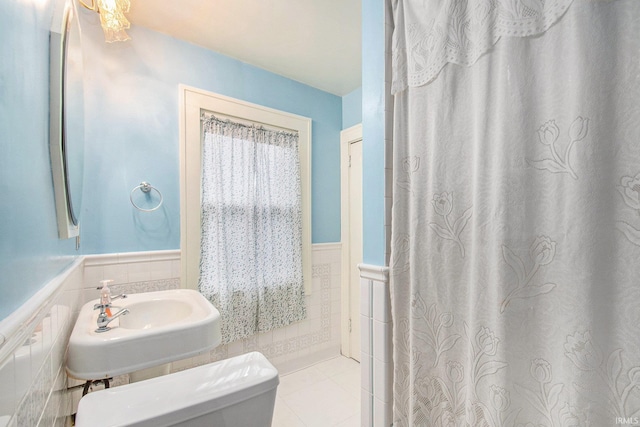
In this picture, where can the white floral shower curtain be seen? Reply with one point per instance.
(515, 264)
(251, 243)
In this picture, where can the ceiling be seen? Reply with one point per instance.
(316, 42)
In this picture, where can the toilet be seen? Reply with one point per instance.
(239, 391)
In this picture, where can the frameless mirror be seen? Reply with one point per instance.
(67, 119)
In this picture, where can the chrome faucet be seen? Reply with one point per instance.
(103, 318)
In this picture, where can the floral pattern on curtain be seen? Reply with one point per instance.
(251, 244)
(515, 273)
(430, 34)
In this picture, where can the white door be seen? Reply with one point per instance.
(355, 244)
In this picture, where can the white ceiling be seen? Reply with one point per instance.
(316, 42)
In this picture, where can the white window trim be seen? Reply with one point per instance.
(193, 102)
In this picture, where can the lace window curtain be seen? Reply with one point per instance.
(515, 223)
(251, 244)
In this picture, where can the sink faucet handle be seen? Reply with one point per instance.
(123, 296)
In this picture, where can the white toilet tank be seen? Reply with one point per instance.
(236, 392)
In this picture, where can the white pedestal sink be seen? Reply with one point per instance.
(161, 327)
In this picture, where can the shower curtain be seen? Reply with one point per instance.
(515, 266)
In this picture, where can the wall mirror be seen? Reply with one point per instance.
(67, 118)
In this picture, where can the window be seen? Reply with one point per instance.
(194, 103)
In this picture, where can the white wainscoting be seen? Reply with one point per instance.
(376, 364)
(132, 272)
(33, 380)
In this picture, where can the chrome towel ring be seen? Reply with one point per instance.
(146, 188)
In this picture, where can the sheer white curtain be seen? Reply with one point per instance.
(516, 218)
(251, 244)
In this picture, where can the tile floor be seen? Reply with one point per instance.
(325, 395)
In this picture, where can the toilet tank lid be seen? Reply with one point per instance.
(181, 395)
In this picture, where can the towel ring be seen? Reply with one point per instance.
(146, 188)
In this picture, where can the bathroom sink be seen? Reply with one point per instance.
(161, 327)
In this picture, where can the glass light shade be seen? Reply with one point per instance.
(112, 19)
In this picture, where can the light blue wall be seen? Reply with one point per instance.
(373, 81)
(30, 251)
(132, 133)
(352, 108)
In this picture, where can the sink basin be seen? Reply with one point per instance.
(161, 327)
(155, 313)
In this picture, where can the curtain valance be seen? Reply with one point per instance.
(429, 34)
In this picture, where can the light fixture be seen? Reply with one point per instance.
(112, 18)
